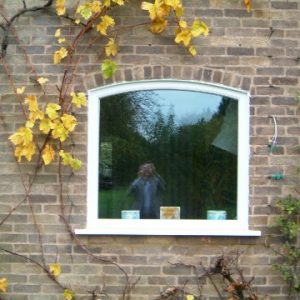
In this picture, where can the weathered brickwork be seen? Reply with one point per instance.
(257, 51)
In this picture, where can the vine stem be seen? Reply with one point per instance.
(12, 84)
(207, 273)
(72, 48)
(63, 91)
(46, 270)
(128, 286)
(7, 26)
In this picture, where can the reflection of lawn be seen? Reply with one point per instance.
(112, 201)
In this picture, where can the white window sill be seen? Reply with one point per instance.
(167, 228)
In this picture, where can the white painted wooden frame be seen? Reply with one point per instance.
(95, 226)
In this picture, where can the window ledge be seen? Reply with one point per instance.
(171, 228)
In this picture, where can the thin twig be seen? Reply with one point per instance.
(7, 26)
(209, 276)
(46, 270)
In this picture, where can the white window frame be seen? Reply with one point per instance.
(96, 226)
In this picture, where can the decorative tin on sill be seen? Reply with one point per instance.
(216, 215)
(170, 212)
(130, 214)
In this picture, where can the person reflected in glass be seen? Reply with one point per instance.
(146, 190)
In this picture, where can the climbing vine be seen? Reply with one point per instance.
(46, 133)
(289, 254)
(55, 120)
(289, 227)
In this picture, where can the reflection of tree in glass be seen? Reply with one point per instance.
(134, 111)
(123, 118)
(199, 176)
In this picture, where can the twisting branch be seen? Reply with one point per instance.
(65, 107)
(46, 270)
(128, 285)
(237, 287)
(7, 26)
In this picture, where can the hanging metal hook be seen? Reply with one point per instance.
(273, 140)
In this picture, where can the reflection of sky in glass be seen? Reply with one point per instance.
(187, 106)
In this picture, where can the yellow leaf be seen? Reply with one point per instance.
(18, 153)
(25, 150)
(23, 136)
(158, 25)
(190, 297)
(157, 10)
(36, 115)
(119, 2)
(87, 9)
(59, 55)
(199, 28)
(66, 157)
(69, 294)
(48, 156)
(75, 164)
(32, 103)
(33, 116)
(60, 7)
(151, 9)
(107, 21)
(46, 125)
(21, 90)
(184, 36)
(79, 99)
(77, 21)
(68, 160)
(248, 4)
(29, 151)
(111, 48)
(179, 12)
(69, 122)
(59, 132)
(173, 3)
(57, 33)
(55, 269)
(29, 124)
(42, 80)
(106, 3)
(182, 24)
(3, 285)
(61, 40)
(193, 50)
(96, 6)
(51, 110)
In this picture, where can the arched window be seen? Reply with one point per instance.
(168, 158)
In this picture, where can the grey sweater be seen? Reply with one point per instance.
(147, 195)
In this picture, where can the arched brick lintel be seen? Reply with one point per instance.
(196, 73)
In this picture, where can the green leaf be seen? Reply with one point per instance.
(86, 13)
(297, 96)
(108, 68)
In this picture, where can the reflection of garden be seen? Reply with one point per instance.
(199, 176)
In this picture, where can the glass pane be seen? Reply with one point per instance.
(168, 154)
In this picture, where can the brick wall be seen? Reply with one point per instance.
(257, 51)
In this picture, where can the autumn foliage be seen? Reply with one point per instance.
(55, 120)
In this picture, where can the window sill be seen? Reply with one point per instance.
(167, 228)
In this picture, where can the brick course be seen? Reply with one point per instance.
(257, 51)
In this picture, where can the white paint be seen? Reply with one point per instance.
(237, 227)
